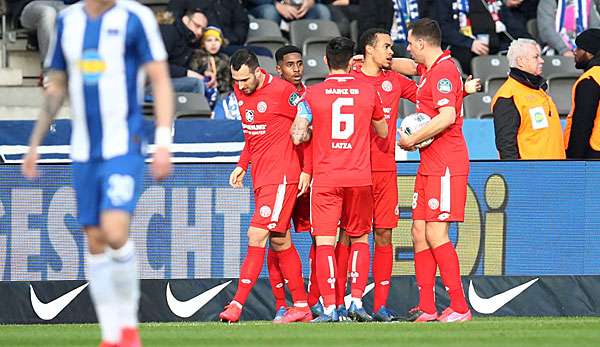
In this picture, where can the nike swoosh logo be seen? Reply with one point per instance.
(185, 309)
(348, 298)
(49, 310)
(491, 305)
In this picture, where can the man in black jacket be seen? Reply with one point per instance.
(484, 33)
(583, 131)
(181, 38)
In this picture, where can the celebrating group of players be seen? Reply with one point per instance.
(335, 176)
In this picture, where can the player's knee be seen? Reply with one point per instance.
(96, 240)
(383, 237)
(344, 238)
(257, 237)
(418, 234)
(280, 243)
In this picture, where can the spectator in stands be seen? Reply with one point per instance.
(516, 13)
(288, 10)
(228, 15)
(181, 38)
(475, 27)
(343, 12)
(38, 16)
(582, 133)
(393, 16)
(209, 57)
(526, 121)
(560, 21)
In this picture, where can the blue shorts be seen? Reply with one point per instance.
(113, 184)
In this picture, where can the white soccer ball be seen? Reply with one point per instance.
(412, 123)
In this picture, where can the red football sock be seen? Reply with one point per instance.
(326, 270)
(382, 274)
(313, 285)
(360, 259)
(447, 260)
(291, 266)
(276, 279)
(425, 268)
(249, 273)
(341, 260)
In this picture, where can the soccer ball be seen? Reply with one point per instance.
(413, 122)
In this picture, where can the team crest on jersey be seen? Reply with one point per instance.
(249, 116)
(261, 107)
(443, 216)
(92, 66)
(294, 98)
(265, 211)
(444, 86)
(433, 203)
(386, 86)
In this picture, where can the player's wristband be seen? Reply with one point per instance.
(304, 111)
(162, 137)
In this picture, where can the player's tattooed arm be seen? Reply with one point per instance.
(300, 130)
(54, 97)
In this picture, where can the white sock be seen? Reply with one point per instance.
(126, 284)
(328, 310)
(357, 302)
(103, 296)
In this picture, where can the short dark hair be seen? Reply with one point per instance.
(369, 38)
(190, 12)
(339, 51)
(285, 50)
(243, 57)
(428, 30)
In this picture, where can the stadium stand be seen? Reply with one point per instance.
(477, 105)
(265, 33)
(316, 30)
(315, 69)
(191, 105)
(492, 69)
(268, 64)
(532, 28)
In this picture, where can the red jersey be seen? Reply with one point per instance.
(391, 86)
(442, 86)
(267, 116)
(342, 109)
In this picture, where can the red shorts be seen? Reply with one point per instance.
(439, 198)
(301, 215)
(385, 199)
(273, 207)
(351, 206)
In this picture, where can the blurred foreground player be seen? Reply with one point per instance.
(101, 46)
(441, 184)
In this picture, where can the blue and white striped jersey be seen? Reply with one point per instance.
(103, 58)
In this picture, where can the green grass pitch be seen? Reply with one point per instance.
(485, 332)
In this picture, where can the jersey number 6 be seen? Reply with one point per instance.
(337, 118)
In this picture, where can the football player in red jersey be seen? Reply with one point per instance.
(268, 107)
(290, 67)
(342, 109)
(376, 45)
(441, 184)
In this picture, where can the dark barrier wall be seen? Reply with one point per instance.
(530, 244)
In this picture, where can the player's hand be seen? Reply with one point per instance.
(341, 3)
(357, 61)
(29, 166)
(406, 143)
(472, 85)
(161, 163)
(303, 183)
(236, 178)
(480, 48)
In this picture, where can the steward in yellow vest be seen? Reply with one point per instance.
(582, 133)
(526, 121)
